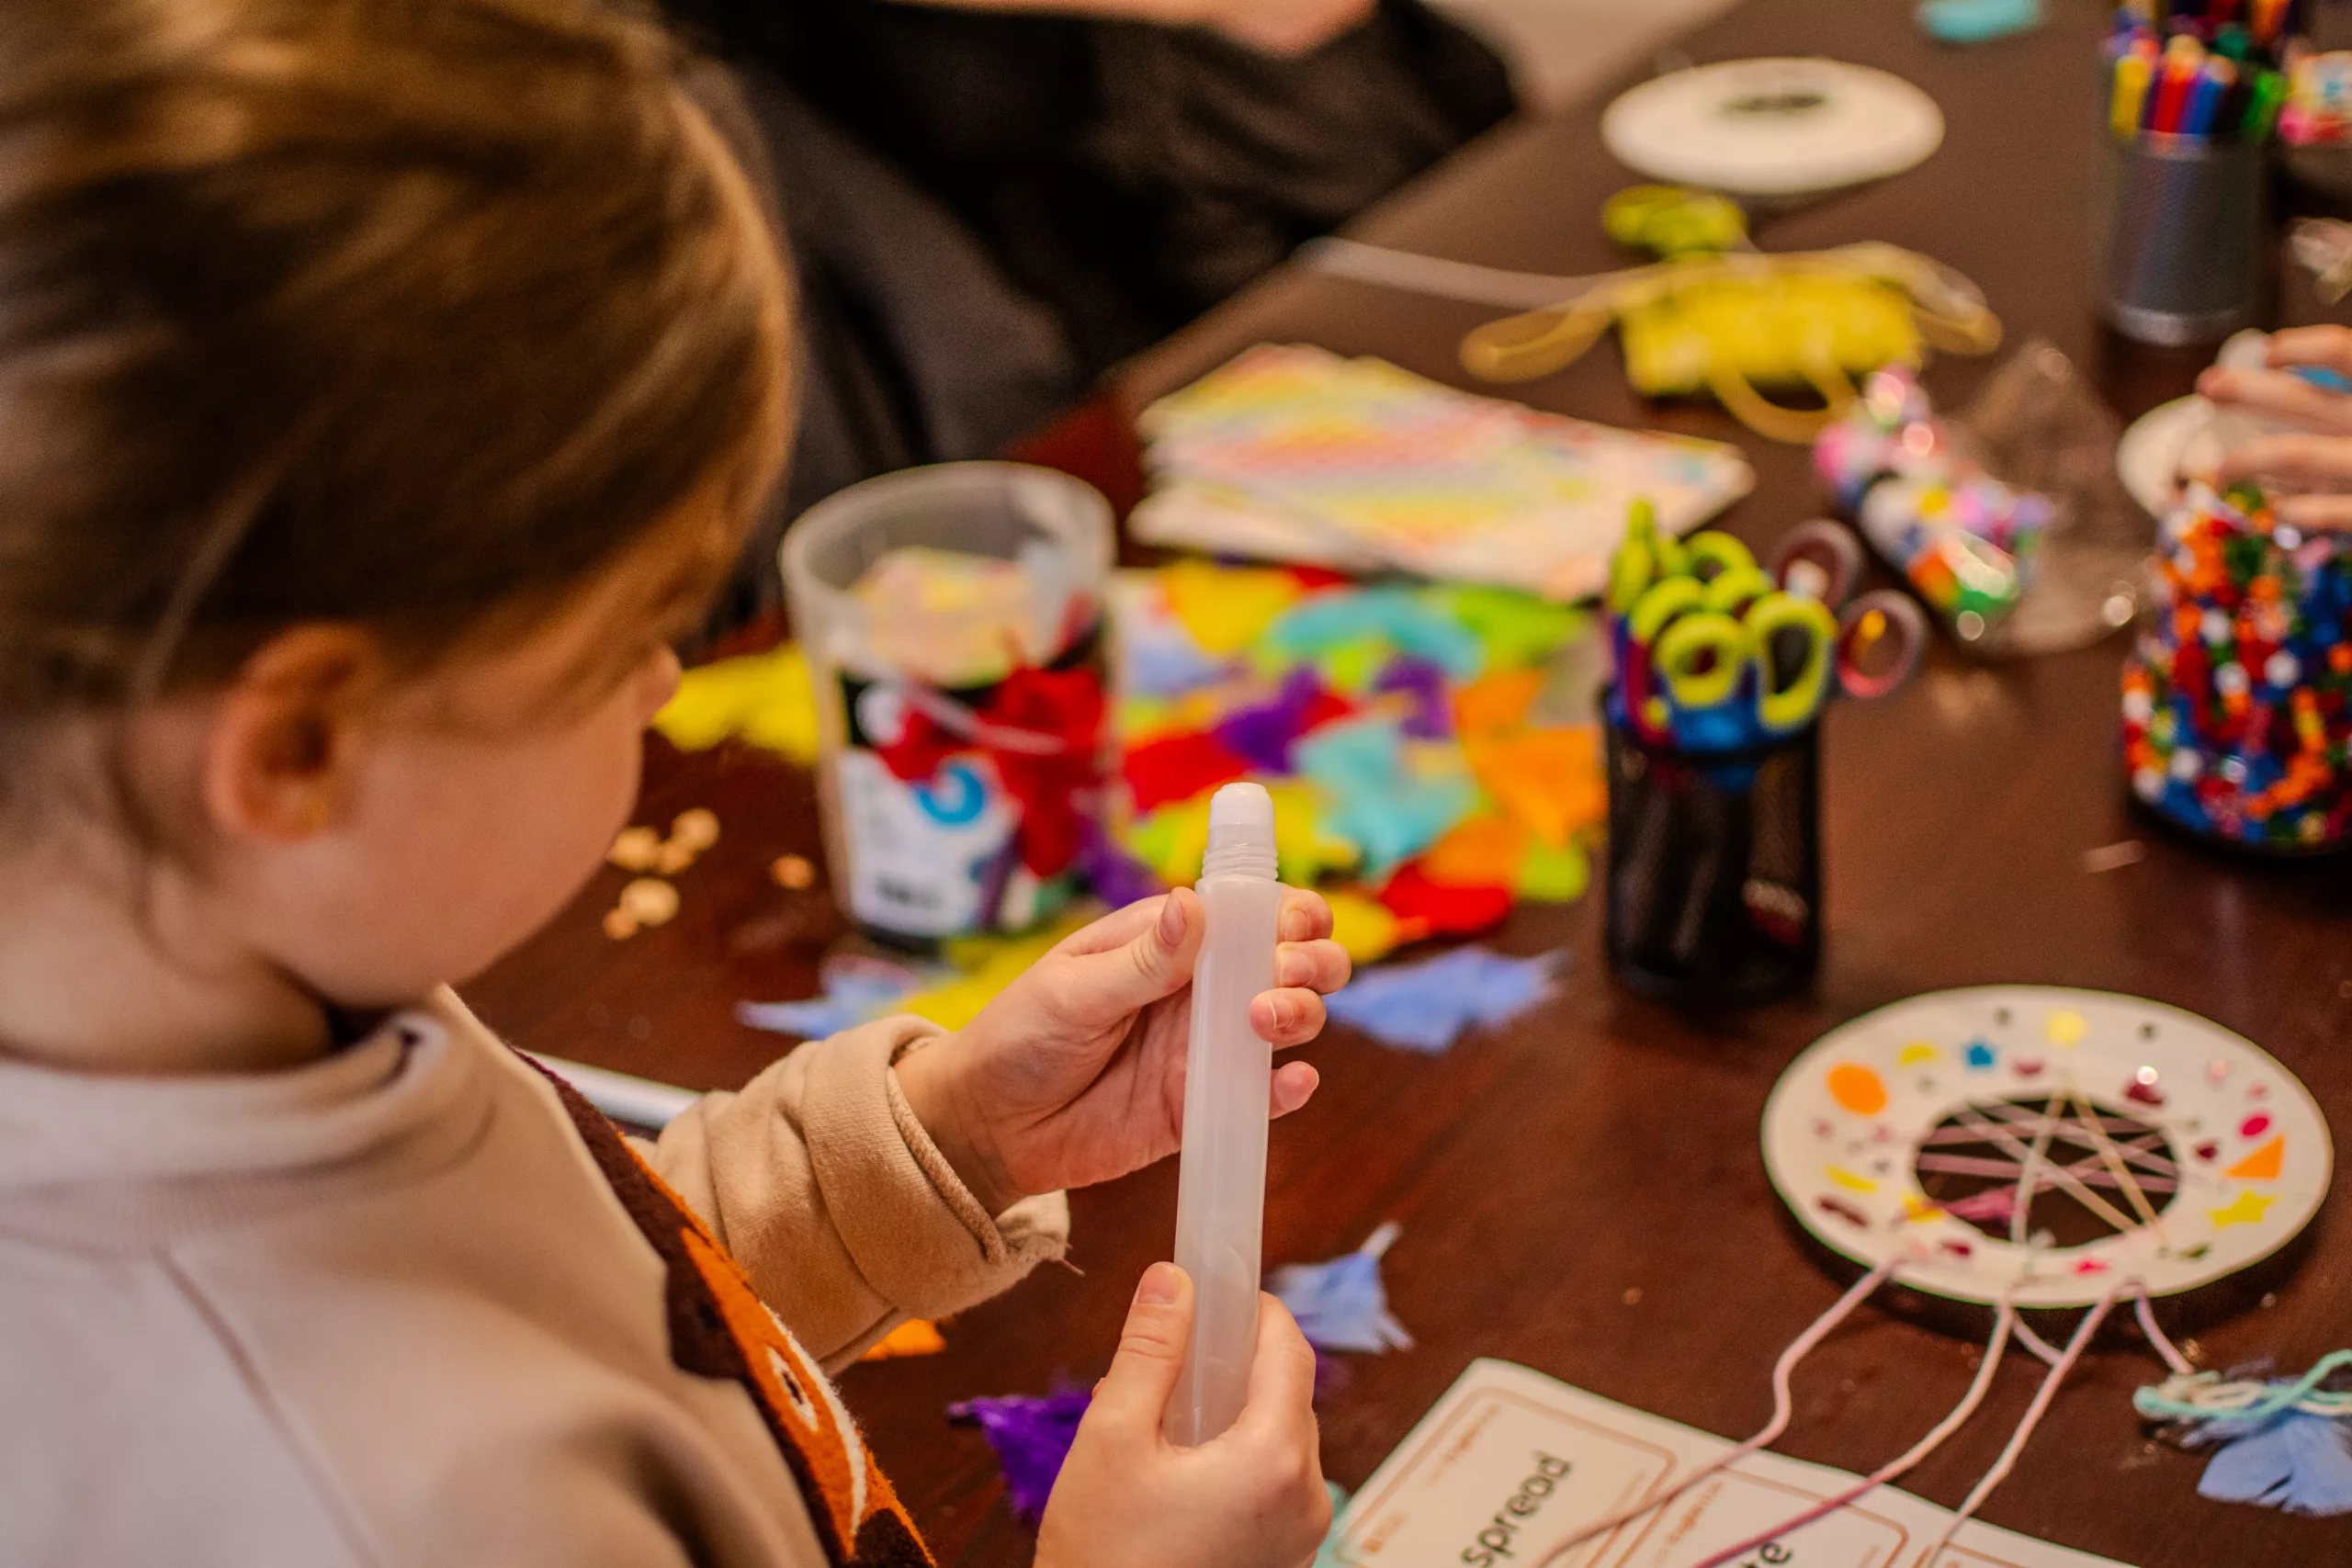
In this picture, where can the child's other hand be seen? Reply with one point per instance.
(1075, 1074)
(1251, 1498)
(1283, 27)
(2320, 461)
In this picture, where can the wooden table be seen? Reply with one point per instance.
(1583, 1192)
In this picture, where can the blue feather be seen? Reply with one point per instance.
(1341, 1304)
(2297, 1462)
(1425, 1007)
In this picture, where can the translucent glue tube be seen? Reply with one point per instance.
(1221, 1185)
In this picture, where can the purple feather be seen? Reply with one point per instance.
(1424, 682)
(1031, 1437)
(1341, 1304)
(1264, 734)
(1117, 877)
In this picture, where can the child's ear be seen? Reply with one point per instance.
(281, 753)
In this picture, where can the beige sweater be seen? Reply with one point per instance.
(395, 1308)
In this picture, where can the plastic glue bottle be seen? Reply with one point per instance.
(1221, 1184)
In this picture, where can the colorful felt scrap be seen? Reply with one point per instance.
(1032, 1439)
(1547, 779)
(1227, 608)
(916, 1337)
(1400, 616)
(1425, 1007)
(762, 699)
(1264, 733)
(1178, 767)
(1444, 908)
(1369, 930)
(855, 989)
(1390, 799)
(1341, 1304)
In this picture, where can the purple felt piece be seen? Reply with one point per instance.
(1425, 682)
(1031, 1437)
(1264, 734)
(1117, 877)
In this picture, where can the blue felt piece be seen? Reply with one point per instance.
(2298, 1461)
(1322, 621)
(1031, 1437)
(1425, 1007)
(1161, 659)
(1978, 21)
(853, 996)
(1372, 799)
(1341, 1304)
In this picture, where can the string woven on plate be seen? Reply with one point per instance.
(2004, 1319)
(1784, 1410)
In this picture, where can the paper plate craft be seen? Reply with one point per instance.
(2040, 1145)
(2026, 1147)
(1773, 128)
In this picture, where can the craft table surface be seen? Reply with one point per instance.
(1582, 1192)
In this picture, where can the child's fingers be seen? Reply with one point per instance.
(1133, 1394)
(1295, 1084)
(1280, 1404)
(2309, 459)
(1305, 917)
(2329, 347)
(1318, 966)
(2280, 395)
(2323, 513)
(1114, 929)
(1155, 960)
(1291, 1015)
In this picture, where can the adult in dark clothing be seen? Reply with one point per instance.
(989, 203)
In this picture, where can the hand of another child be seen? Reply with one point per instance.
(2318, 461)
(1252, 1497)
(1075, 1073)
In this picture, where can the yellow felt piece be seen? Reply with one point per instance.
(1484, 852)
(765, 698)
(1172, 838)
(1553, 875)
(1496, 702)
(1548, 779)
(1225, 608)
(1304, 848)
(1368, 929)
(916, 1337)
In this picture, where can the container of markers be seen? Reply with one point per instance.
(2183, 184)
(2182, 223)
(1714, 867)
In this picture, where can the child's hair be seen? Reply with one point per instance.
(410, 313)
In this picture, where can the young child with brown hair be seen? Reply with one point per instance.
(382, 379)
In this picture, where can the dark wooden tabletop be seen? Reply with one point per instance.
(1582, 1192)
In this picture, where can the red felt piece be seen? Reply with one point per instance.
(1067, 703)
(1178, 767)
(1445, 908)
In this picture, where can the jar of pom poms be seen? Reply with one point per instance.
(952, 617)
(2236, 721)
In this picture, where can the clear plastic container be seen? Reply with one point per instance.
(915, 861)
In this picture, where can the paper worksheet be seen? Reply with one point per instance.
(1511, 1464)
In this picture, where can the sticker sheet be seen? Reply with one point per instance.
(1295, 453)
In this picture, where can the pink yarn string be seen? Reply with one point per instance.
(2004, 1319)
(2033, 1413)
(2144, 1309)
(1784, 1410)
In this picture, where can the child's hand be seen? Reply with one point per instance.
(1251, 1498)
(2315, 462)
(1075, 1074)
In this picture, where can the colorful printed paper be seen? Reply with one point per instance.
(1296, 454)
